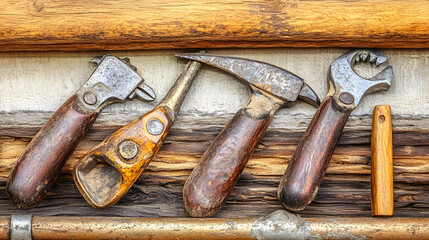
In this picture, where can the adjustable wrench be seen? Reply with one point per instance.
(114, 80)
(302, 178)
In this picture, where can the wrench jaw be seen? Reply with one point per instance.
(348, 87)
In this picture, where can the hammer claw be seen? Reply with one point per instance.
(309, 96)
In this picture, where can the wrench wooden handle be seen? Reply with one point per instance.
(106, 173)
(40, 164)
(302, 178)
(221, 165)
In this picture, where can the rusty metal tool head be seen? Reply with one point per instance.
(284, 85)
(218, 171)
(114, 80)
(305, 171)
(347, 86)
(106, 173)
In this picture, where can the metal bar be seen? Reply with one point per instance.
(175, 97)
(278, 225)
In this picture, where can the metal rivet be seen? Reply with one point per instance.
(128, 149)
(90, 98)
(346, 98)
(155, 126)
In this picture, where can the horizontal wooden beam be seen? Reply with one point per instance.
(345, 190)
(40, 25)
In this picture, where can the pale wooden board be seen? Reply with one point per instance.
(35, 84)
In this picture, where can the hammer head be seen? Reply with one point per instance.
(348, 86)
(271, 79)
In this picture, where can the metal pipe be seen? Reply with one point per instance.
(278, 225)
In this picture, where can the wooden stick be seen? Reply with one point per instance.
(382, 162)
(41, 25)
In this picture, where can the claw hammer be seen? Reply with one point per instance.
(301, 181)
(220, 167)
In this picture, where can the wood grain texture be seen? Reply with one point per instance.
(345, 190)
(382, 201)
(39, 166)
(40, 25)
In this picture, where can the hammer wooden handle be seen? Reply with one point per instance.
(302, 178)
(381, 163)
(220, 167)
(40, 164)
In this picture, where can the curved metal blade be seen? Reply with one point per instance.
(309, 96)
(272, 79)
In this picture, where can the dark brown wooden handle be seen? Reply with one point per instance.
(220, 167)
(302, 178)
(42, 160)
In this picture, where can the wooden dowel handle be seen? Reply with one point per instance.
(39, 165)
(382, 163)
(302, 178)
(219, 169)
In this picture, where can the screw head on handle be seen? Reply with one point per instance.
(128, 149)
(155, 126)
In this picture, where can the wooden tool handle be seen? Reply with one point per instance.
(220, 167)
(382, 163)
(302, 178)
(106, 173)
(40, 164)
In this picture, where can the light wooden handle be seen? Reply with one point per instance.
(381, 162)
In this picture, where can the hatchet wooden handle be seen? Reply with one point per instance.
(220, 167)
(302, 178)
(42, 160)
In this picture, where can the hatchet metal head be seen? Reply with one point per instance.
(269, 78)
(348, 86)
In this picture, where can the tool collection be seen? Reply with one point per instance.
(108, 171)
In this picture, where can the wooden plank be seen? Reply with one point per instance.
(158, 192)
(40, 25)
(33, 85)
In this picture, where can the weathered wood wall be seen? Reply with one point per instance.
(40, 25)
(33, 85)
